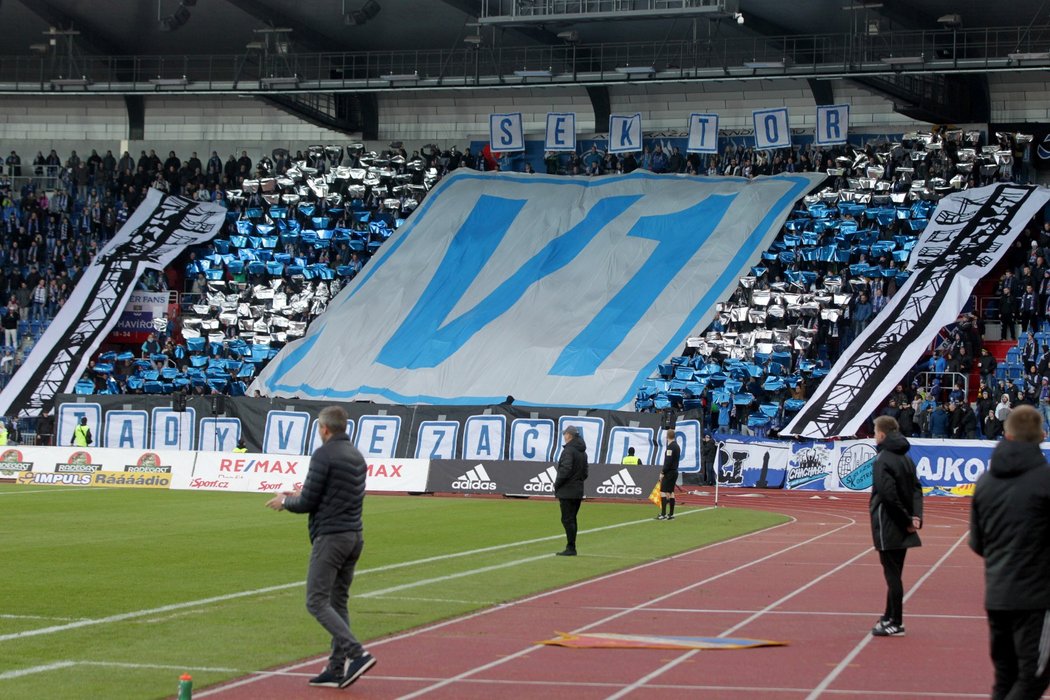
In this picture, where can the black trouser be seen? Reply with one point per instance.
(892, 568)
(569, 508)
(1008, 327)
(1019, 653)
(332, 561)
(709, 473)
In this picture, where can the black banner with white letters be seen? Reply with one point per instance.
(537, 478)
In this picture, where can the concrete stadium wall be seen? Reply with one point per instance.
(231, 124)
(183, 124)
(445, 117)
(1020, 97)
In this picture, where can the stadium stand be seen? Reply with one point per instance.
(301, 226)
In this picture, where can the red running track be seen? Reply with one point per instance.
(814, 582)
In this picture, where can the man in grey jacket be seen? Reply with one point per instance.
(332, 494)
(568, 485)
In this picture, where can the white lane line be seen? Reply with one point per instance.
(807, 613)
(835, 672)
(475, 681)
(450, 577)
(286, 586)
(480, 613)
(641, 606)
(8, 675)
(4, 616)
(746, 621)
(416, 599)
(20, 491)
(157, 667)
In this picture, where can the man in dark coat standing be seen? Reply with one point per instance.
(669, 476)
(708, 453)
(333, 494)
(896, 517)
(1010, 528)
(568, 485)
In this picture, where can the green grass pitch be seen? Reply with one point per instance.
(72, 556)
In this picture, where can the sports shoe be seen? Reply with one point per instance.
(355, 668)
(327, 679)
(887, 629)
(670, 517)
(567, 552)
(660, 517)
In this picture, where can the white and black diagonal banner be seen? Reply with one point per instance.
(160, 229)
(967, 236)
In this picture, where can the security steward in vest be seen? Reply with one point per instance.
(241, 446)
(82, 434)
(3, 433)
(631, 458)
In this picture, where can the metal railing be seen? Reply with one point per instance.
(948, 381)
(791, 56)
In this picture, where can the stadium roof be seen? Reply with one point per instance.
(226, 26)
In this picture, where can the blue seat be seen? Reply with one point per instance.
(683, 373)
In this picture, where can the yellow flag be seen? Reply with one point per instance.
(654, 495)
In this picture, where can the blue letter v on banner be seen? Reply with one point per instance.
(424, 339)
(679, 236)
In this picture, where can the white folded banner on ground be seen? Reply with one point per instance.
(966, 237)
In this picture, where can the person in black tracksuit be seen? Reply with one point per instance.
(333, 494)
(568, 485)
(669, 476)
(1010, 528)
(708, 454)
(896, 517)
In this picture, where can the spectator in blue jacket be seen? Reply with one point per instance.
(939, 422)
(861, 314)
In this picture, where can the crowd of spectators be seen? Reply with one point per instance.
(301, 225)
(840, 258)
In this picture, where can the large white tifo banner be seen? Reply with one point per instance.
(559, 291)
(184, 469)
(967, 236)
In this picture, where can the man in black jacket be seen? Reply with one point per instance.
(896, 516)
(568, 485)
(708, 453)
(1010, 528)
(333, 493)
